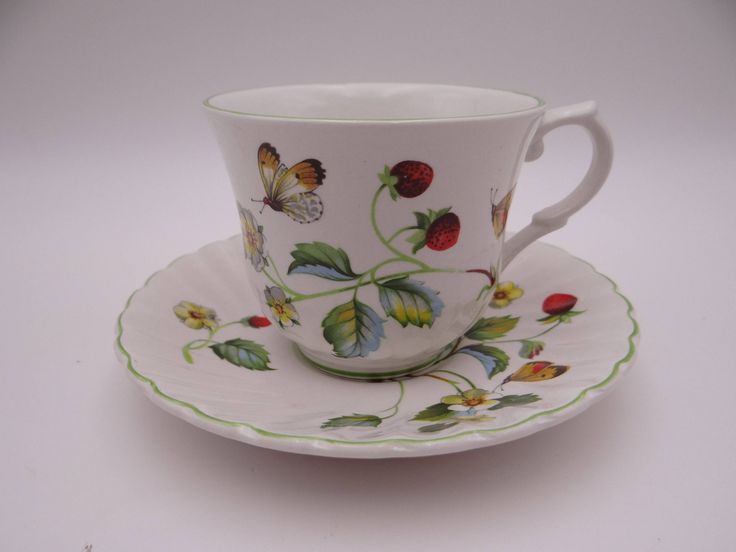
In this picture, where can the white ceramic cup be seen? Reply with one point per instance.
(373, 215)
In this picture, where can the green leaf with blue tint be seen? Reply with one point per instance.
(353, 329)
(410, 302)
(323, 260)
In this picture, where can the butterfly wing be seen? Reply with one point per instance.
(538, 371)
(500, 213)
(304, 207)
(270, 167)
(305, 176)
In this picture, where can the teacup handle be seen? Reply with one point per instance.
(555, 216)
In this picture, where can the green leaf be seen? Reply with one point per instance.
(434, 413)
(423, 221)
(437, 427)
(492, 328)
(530, 348)
(493, 359)
(418, 240)
(390, 181)
(392, 192)
(565, 317)
(356, 420)
(515, 400)
(410, 302)
(441, 212)
(244, 353)
(353, 329)
(323, 260)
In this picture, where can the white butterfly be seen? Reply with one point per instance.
(290, 190)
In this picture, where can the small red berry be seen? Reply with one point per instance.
(444, 232)
(258, 322)
(413, 178)
(559, 303)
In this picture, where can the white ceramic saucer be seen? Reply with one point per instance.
(189, 338)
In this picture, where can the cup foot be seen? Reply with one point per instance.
(415, 365)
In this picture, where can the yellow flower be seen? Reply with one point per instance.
(196, 316)
(252, 239)
(504, 294)
(469, 401)
(281, 307)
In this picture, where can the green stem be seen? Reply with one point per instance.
(440, 378)
(482, 290)
(470, 383)
(197, 344)
(374, 270)
(381, 237)
(276, 271)
(552, 327)
(395, 407)
(201, 343)
(399, 232)
(300, 297)
(282, 285)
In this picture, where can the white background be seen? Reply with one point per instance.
(108, 171)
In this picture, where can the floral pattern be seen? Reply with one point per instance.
(504, 294)
(468, 403)
(470, 400)
(238, 351)
(252, 239)
(281, 307)
(471, 403)
(196, 316)
(354, 326)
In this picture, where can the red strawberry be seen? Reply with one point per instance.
(258, 322)
(444, 232)
(559, 303)
(413, 178)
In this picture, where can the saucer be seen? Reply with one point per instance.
(555, 338)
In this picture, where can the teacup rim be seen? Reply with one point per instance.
(208, 104)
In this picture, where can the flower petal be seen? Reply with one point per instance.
(194, 323)
(181, 311)
(488, 403)
(277, 294)
(290, 311)
(516, 293)
(475, 394)
(452, 399)
(505, 286)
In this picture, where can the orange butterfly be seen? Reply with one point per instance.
(540, 370)
(500, 211)
(290, 190)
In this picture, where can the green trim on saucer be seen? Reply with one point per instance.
(309, 438)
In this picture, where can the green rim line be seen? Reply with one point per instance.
(399, 440)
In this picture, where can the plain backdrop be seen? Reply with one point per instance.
(108, 171)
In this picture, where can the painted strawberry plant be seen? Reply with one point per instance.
(244, 353)
(352, 326)
(468, 402)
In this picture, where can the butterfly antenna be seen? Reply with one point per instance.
(263, 206)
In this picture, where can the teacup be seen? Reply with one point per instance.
(373, 215)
